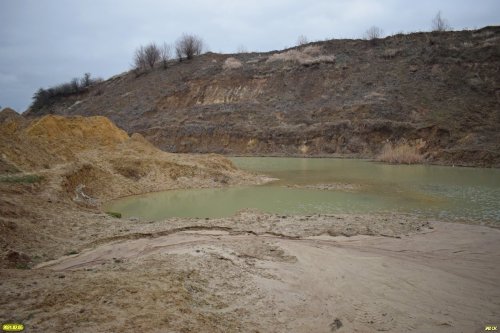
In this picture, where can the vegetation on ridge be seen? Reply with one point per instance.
(44, 97)
(146, 57)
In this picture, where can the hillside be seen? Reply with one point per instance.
(439, 92)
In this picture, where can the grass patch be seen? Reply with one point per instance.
(21, 179)
(22, 265)
(114, 214)
(401, 154)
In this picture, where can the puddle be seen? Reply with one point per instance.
(313, 185)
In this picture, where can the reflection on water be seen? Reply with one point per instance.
(359, 187)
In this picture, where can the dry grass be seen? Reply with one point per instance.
(401, 154)
(232, 63)
(326, 59)
(291, 55)
(391, 53)
(313, 50)
(308, 56)
(491, 41)
(483, 34)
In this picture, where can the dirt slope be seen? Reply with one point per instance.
(437, 91)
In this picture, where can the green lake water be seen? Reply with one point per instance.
(446, 193)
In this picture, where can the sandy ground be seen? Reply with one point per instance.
(267, 273)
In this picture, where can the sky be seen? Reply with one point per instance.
(47, 42)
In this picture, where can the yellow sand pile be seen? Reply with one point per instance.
(51, 140)
(79, 132)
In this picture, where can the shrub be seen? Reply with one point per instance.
(232, 63)
(188, 46)
(401, 154)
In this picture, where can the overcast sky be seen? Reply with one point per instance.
(46, 42)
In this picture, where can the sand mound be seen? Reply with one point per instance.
(10, 121)
(7, 114)
(92, 155)
(51, 140)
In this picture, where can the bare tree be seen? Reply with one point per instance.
(85, 81)
(439, 23)
(165, 52)
(373, 33)
(152, 54)
(241, 49)
(188, 46)
(74, 85)
(140, 63)
(302, 40)
(178, 51)
(146, 57)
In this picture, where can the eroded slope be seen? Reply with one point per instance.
(437, 91)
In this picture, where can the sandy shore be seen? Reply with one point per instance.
(267, 273)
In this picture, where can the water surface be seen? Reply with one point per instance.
(448, 193)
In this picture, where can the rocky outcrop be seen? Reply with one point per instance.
(437, 91)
